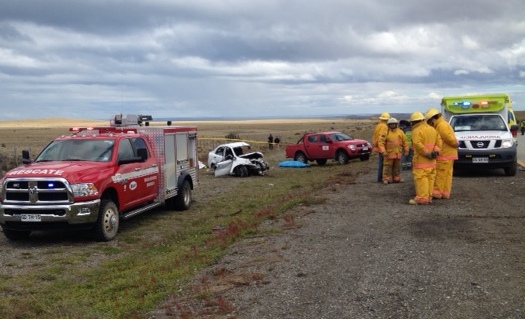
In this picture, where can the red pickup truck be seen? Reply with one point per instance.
(322, 146)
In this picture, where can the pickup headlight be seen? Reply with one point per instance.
(84, 189)
(507, 143)
(351, 147)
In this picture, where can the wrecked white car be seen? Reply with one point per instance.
(236, 159)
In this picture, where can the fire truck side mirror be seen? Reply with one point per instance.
(26, 157)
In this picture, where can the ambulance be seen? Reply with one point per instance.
(484, 125)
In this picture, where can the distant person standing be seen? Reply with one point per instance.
(522, 127)
(270, 141)
(276, 141)
(406, 159)
(380, 131)
(447, 156)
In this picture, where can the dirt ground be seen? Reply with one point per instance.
(366, 253)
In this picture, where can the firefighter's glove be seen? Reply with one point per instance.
(431, 155)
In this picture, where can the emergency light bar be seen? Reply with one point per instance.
(468, 104)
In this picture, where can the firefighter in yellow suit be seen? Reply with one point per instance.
(380, 131)
(426, 143)
(392, 147)
(445, 159)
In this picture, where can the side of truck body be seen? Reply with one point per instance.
(98, 176)
(481, 125)
(322, 146)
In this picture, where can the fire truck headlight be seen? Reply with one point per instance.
(84, 189)
(507, 143)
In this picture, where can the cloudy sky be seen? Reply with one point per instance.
(254, 58)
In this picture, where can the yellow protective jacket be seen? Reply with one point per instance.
(450, 143)
(394, 143)
(425, 139)
(380, 131)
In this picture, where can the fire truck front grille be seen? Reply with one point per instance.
(33, 191)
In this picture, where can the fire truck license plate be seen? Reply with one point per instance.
(480, 160)
(31, 217)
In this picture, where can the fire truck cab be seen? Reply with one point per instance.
(98, 176)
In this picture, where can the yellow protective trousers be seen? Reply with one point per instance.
(391, 170)
(424, 183)
(443, 183)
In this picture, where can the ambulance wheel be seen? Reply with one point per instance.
(16, 234)
(108, 221)
(512, 170)
(183, 199)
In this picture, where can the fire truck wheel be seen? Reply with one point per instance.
(183, 198)
(108, 221)
(15, 234)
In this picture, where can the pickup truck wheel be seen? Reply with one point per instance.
(16, 234)
(321, 161)
(300, 157)
(108, 221)
(241, 171)
(365, 157)
(183, 198)
(342, 157)
(512, 170)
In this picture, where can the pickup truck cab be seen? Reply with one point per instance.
(334, 145)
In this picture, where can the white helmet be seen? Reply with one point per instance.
(392, 120)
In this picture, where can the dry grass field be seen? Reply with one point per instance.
(35, 134)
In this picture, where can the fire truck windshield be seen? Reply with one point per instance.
(77, 150)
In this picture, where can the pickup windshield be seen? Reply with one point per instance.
(485, 122)
(340, 137)
(77, 150)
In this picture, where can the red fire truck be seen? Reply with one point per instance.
(98, 176)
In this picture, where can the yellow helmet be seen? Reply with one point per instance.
(431, 113)
(384, 116)
(417, 116)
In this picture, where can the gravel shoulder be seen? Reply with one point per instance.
(366, 253)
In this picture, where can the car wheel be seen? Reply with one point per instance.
(342, 157)
(300, 157)
(241, 171)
